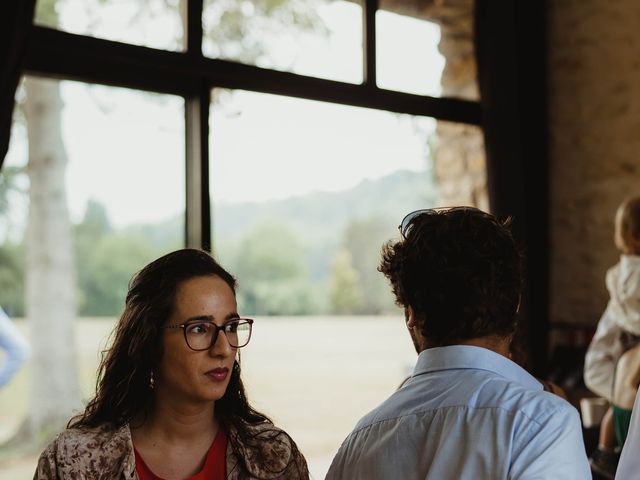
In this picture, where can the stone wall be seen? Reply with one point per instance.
(459, 162)
(594, 132)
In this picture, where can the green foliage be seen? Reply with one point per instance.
(12, 279)
(280, 297)
(356, 221)
(345, 291)
(270, 252)
(107, 259)
(364, 239)
(9, 177)
(104, 275)
(237, 29)
(46, 12)
(11, 253)
(95, 222)
(270, 266)
(313, 263)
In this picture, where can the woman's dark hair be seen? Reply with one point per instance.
(460, 271)
(122, 392)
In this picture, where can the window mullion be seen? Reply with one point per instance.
(369, 42)
(193, 28)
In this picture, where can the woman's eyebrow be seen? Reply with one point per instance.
(211, 318)
(200, 318)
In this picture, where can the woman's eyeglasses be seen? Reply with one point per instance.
(202, 334)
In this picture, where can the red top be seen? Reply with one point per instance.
(214, 465)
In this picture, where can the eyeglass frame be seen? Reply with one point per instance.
(214, 337)
(406, 220)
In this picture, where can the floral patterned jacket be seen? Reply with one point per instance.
(107, 454)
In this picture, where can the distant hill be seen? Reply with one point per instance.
(321, 217)
(318, 219)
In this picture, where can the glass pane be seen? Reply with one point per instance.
(150, 23)
(321, 38)
(426, 50)
(300, 213)
(91, 190)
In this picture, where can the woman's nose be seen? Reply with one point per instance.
(221, 346)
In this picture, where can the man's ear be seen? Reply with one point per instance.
(410, 317)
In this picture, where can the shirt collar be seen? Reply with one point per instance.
(456, 357)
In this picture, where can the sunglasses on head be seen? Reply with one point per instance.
(406, 224)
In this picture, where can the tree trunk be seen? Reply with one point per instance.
(49, 282)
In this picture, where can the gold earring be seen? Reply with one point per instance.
(152, 381)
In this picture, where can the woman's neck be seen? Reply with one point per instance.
(177, 422)
(174, 438)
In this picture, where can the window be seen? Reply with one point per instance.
(403, 28)
(417, 70)
(175, 144)
(320, 38)
(153, 23)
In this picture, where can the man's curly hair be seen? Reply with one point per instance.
(460, 271)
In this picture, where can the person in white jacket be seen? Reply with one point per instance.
(617, 332)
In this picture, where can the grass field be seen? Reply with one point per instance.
(315, 376)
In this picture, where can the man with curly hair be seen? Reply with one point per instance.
(468, 411)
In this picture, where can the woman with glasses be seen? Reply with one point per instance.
(170, 403)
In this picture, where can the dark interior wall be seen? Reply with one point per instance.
(594, 140)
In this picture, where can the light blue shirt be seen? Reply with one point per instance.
(466, 413)
(629, 464)
(16, 349)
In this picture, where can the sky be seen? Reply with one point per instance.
(262, 146)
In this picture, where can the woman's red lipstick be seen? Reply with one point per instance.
(218, 374)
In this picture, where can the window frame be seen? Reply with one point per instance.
(191, 75)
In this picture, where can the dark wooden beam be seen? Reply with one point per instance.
(369, 43)
(194, 27)
(64, 55)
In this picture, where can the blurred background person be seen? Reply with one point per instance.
(15, 347)
(618, 332)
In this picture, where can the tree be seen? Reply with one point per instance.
(95, 222)
(49, 273)
(252, 21)
(11, 265)
(271, 268)
(106, 273)
(345, 292)
(364, 240)
(106, 260)
(11, 279)
(8, 185)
